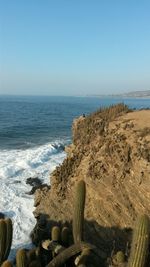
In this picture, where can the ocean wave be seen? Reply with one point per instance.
(15, 167)
(16, 162)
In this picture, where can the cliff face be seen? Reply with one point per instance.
(111, 153)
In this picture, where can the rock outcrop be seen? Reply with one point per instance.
(111, 153)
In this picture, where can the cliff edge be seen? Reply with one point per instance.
(111, 153)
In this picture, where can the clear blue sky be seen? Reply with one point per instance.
(74, 47)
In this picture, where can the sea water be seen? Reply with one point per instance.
(33, 133)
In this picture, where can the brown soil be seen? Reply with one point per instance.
(111, 153)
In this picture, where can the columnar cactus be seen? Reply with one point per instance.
(78, 218)
(9, 235)
(31, 254)
(67, 253)
(82, 258)
(3, 234)
(21, 258)
(7, 264)
(65, 236)
(118, 258)
(55, 233)
(35, 263)
(140, 243)
(5, 238)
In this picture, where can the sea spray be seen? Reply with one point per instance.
(16, 167)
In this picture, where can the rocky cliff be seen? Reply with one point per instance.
(111, 153)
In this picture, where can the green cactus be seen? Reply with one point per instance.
(67, 253)
(21, 258)
(9, 235)
(55, 233)
(65, 236)
(140, 243)
(82, 258)
(35, 263)
(6, 230)
(78, 218)
(7, 264)
(31, 254)
(3, 234)
(119, 257)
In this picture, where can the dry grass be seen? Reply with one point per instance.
(96, 123)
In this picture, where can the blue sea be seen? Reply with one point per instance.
(33, 133)
(27, 121)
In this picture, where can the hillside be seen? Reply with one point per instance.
(111, 153)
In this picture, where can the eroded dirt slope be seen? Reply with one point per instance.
(111, 152)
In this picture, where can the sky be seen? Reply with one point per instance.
(74, 47)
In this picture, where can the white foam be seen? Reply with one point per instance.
(15, 167)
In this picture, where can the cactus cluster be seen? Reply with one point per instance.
(6, 231)
(59, 251)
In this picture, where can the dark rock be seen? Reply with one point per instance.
(41, 186)
(41, 230)
(33, 181)
(2, 215)
(17, 182)
(59, 147)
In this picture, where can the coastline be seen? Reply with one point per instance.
(112, 203)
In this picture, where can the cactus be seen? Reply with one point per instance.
(9, 234)
(81, 259)
(7, 264)
(55, 233)
(78, 217)
(65, 236)
(3, 234)
(5, 238)
(21, 258)
(140, 243)
(35, 263)
(120, 257)
(31, 254)
(67, 253)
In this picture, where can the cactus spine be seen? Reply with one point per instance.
(140, 243)
(21, 258)
(78, 218)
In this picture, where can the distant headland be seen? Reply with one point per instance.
(140, 94)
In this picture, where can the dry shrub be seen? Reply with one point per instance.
(96, 123)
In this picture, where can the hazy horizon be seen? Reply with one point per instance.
(74, 48)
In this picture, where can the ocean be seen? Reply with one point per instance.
(33, 133)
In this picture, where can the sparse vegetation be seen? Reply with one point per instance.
(96, 123)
